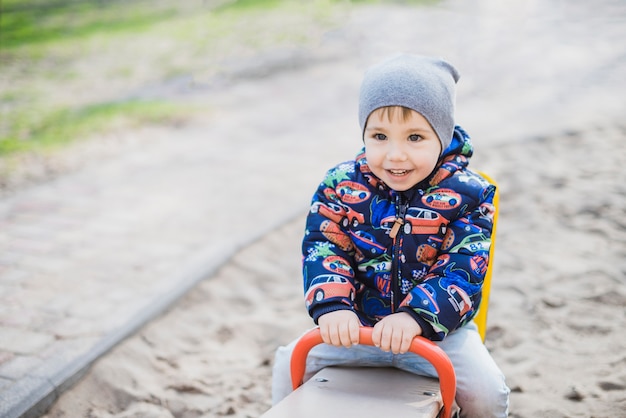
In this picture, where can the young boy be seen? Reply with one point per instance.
(398, 240)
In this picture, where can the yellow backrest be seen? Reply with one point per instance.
(481, 317)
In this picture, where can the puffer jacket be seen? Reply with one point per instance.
(424, 251)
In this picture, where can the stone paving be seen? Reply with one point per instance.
(90, 257)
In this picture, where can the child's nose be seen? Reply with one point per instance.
(396, 152)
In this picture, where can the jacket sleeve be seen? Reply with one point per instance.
(328, 255)
(450, 294)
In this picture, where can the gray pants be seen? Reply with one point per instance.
(481, 389)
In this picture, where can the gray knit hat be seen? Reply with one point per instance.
(424, 84)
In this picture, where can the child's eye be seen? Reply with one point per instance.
(414, 138)
(380, 137)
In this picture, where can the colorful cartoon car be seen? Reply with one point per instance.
(473, 243)
(328, 286)
(442, 199)
(426, 294)
(366, 241)
(331, 211)
(338, 265)
(352, 192)
(424, 221)
(419, 221)
(343, 215)
(469, 227)
(376, 265)
(353, 217)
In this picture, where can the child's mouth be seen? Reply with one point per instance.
(398, 172)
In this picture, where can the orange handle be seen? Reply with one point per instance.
(421, 346)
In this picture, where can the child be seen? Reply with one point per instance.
(398, 240)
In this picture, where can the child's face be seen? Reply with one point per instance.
(400, 151)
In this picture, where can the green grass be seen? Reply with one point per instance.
(35, 22)
(46, 44)
(40, 21)
(37, 131)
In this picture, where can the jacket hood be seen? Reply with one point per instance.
(461, 144)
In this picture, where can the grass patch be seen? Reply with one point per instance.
(53, 51)
(33, 131)
(37, 22)
(29, 22)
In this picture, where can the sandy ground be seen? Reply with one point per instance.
(557, 310)
(556, 316)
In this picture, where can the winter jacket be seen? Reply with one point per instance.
(424, 251)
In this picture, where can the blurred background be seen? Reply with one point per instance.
(71, 68)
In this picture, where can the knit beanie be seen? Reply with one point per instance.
(424, 84)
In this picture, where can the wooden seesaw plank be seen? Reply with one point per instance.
(362, 392)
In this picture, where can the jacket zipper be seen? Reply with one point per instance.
(402, 205)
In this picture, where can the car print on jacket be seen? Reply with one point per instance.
(426, 295)
(332, 211)
(363, 240)
(353, 218)
(351, 192)
(376, 265)
(338, 265)
(339, 214)
(328, 286)
(443, 199)
(419, 221)
(472, 243)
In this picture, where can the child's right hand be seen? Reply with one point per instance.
(340, 328)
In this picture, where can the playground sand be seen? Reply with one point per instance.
(556, 316)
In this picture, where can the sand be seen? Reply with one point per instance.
(556, 318)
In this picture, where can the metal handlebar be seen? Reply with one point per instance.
(420, 346)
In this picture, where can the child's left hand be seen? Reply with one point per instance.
(395, 332)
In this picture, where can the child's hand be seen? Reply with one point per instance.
(395, 332)
(340, 328)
